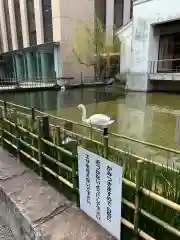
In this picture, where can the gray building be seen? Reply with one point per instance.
(36, 36)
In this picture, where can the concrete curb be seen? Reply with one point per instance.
(33, 210)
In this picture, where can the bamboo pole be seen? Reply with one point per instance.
(58, 141)
(2, 126)
(163, 224)
(40, 148)
(17, 132)
(105, 142)
(143, 191)
(32, 127)
(74, 174)
(137, 199)
(5, 109)
(68, 153)
(141, 233)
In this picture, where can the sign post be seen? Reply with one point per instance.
(100, 184)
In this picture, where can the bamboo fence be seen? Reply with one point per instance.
(31, 135)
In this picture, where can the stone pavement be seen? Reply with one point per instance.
(5, 231)
(34, 210)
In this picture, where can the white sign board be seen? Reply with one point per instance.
(100, 184)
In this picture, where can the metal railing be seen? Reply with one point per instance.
(164, 66)
(13, 83)
(32, 135)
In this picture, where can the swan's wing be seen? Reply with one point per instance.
(99, 119)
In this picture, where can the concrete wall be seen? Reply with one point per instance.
(126, 11)
(66, 14)
(125, 37)
(144, 42)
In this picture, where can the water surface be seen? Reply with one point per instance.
(149, 117)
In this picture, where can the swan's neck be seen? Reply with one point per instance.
(84, 119)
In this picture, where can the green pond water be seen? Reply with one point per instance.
(149, 117)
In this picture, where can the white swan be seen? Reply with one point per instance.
(63, 88)
(97, 120)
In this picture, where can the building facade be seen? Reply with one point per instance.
(150, 49)
(36, 36)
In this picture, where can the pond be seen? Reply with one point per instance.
(150, 117)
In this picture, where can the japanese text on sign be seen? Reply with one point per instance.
(100, 185)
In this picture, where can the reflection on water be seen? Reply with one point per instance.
(150, 117)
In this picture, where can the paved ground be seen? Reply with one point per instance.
(5, 232)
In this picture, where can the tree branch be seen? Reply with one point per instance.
(81, 62)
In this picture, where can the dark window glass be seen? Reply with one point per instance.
(131, 11)
(169, 53)
(118, 13)
(31, 22)
(29, 63)
(18, 23)
(47, 20)
(100, 11)
(8, 28)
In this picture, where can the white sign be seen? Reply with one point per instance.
(100, 184)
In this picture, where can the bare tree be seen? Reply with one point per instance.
(94, 48)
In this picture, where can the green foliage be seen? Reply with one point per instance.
(158, 179)
(93, 46)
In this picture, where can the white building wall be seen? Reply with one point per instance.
(66, 15)
(125, 37)
(147, 13)
(126, 11)
(39, 21)
(24, 23)
(3, 27)
(13, 24)
(109, 20)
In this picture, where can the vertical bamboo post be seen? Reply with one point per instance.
(45, 127)
(33, 114)
(17, 132)
(81, 78)
(74, 175)
(105, 142)
(46, 134)
(32, 126)
(137, 199)
(58, 141)
(2, 126)
(40, 148)
(5, 109)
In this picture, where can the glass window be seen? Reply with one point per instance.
(8, 28)
(118, 13)
(131, 10)
(8, 67)
(18, 23)
(100, 10)
(169, 53)
(47, 20)
(30, 63)
(31, 22)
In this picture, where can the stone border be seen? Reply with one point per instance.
(33, 210)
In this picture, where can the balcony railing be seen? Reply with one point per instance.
(164, 66)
